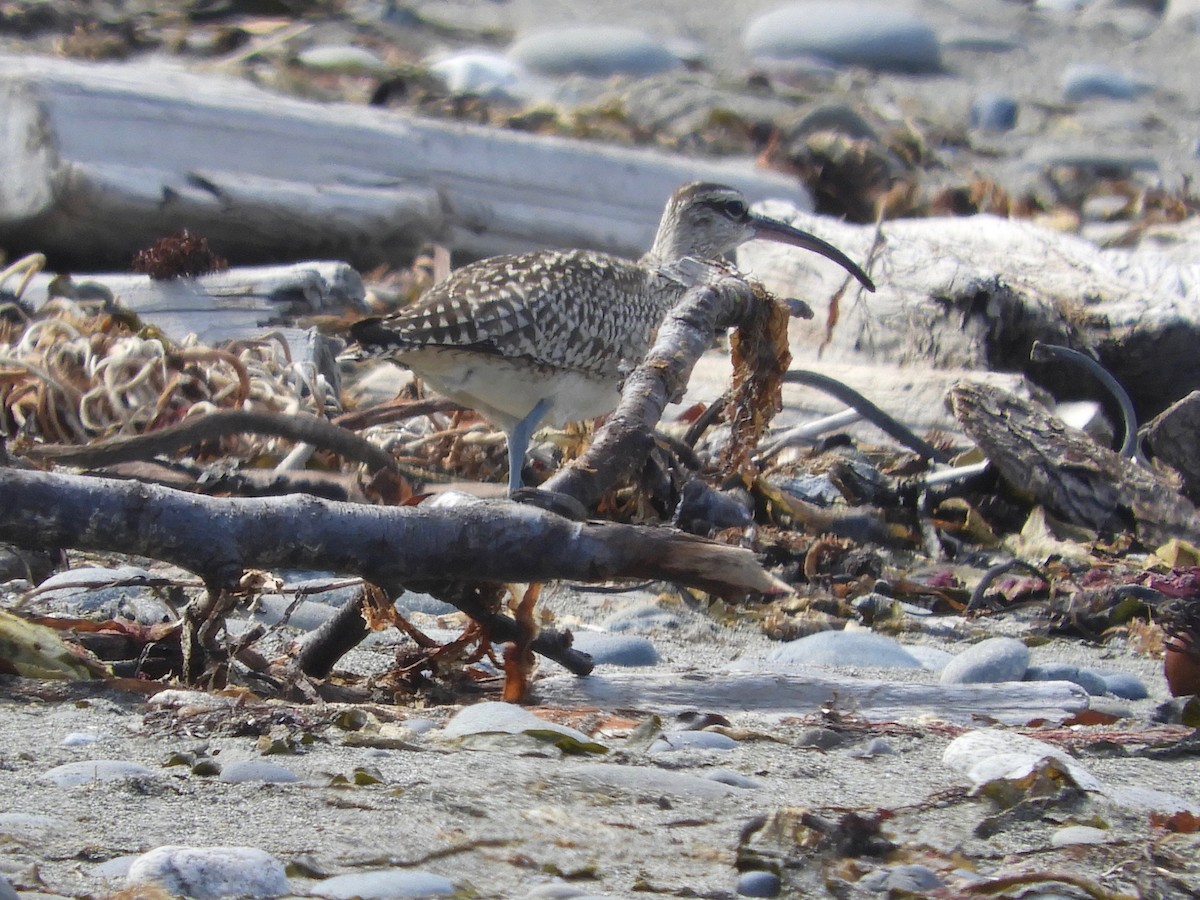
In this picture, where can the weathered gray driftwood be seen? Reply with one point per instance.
(974, 293)
(238, 303)
(1067, 471)
(390, 546)
(99, 160)
(1015, 703)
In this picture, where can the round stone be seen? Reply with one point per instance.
(994, 112)
(211, 873)
(851, 34)
(1077, 834)
(1086, 81)
(758, 884)
(260, 770)
(840, 648)
(692, 740)
(1085, 678)
(996, 659)
(1125, 686)
(598, 51)
(340, 58)
(384, 884)
(616, 649)
(907, 880)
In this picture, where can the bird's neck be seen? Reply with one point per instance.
(668, 246)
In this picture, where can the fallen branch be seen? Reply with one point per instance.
(213, 426)
(219, 538)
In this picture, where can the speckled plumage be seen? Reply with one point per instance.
(549, 335)
(571, 309)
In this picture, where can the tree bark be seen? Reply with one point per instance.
(1067, 471)
(219, 538)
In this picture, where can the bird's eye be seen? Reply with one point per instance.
(735, 209)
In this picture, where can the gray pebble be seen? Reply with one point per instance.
(559, 890)
(95, 770)
(994, 112)
(847, 33)
(839, 648)
(874, 747)
(758, 884)
(1085, 678)
(616, 649)
(996, 659)
(1125, 686)
(821, 738)
(494, 717)
(1086, 81)
(1078, 834)
(599, 51)
(340, 58)
(383, 885)
(908, 879)
(692, 740)
(80, 739)
(211, 873)
(241, 771)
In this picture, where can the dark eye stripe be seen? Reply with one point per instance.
(733, 209)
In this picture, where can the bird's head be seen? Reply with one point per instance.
(709, 220)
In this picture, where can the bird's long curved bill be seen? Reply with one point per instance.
(774, 230)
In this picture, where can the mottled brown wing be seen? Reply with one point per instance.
(569, 309)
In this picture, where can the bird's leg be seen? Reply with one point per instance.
(518, 442)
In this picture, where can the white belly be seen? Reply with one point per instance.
(506, 390)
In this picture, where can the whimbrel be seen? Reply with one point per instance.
(547, 337)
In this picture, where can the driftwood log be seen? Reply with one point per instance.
(782, 693)
(101, 160)
(235, 304)
(394, 547)
(1069, 473)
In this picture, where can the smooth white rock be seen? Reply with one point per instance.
(383, 885)
(240, 771)
(598, 51)
(494, 717)
(989, 754)
(211, 873)
(847, 33)
(844, 648)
